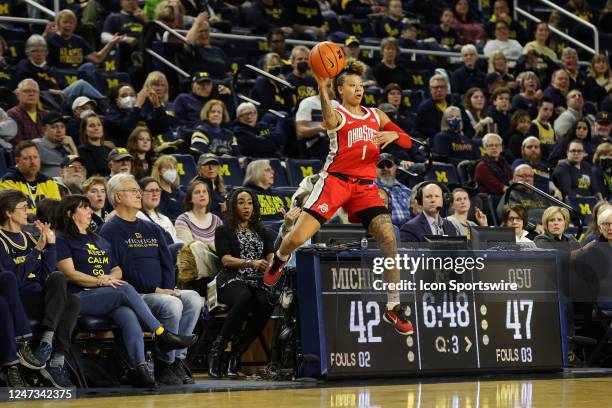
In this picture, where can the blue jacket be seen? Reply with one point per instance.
(262, 140)
(415, 229)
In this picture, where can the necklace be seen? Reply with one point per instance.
(14, 244)
(242, 229)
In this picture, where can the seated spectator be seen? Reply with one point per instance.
(577, 79)
(259, 178)
(268, 14)
(539, 44)
(601, 128)
(541, 126)
(160, 122)
(27, 178)
(94, 188)
(492, 173)
(276, 41)
(568, 118)
(27, 114)
(197, 222)
(188, 105)
(270, 93)
(574, 176)
(429, 221)
(581, 131)
(451, 145)
(71, 175)
(510, 48)
(258, 138)
(387, 70)
(130, 108)
(140, 147)
(501, 12)
(208, 172)
(307, 18)
(51, 83)
(151, 197)
(87, 262)
(519, 129)
(533, 203)
(593, 231)
(390, 25)
(469, 29)
(392, 94)
(43, 292)
(304, 83)
(498, 64)
(515, 216)
(500, 111)
(477, 123)
(602, 169)
(531, 154)
(93, 148)
(557, 90)
(398, 194)
(165, 172)
(600, 77)
(55, 146)
(129, 23)
(210, 136)
(81, 107)
(461, 207)
(308, 125)
(467, 75)
(14, 327)
(430, 111)
(530, 93)
(245, 248)
(446, 35)
(8, 129)
(201, 55)
(68, 50)
(352, 50)
(120, 161)
(150, 270)
(555, 221)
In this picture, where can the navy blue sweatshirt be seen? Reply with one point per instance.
(19, 255)
(260, 141)
(140, 249)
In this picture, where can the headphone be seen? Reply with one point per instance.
(446, 193)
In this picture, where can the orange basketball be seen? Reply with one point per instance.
(326, 59)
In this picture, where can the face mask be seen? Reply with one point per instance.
(606, 164)
(454, 124)
(275, 71)
(302, 67)
(170, 176)
(39, 65)
(86, 113)
(127, 103)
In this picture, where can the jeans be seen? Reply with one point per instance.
(177, 314)
(14, 322)
(125, 306)
(80, 88)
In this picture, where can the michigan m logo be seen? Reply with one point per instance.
(441, 176)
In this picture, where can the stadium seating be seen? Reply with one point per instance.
(298, 169)
(186, 168)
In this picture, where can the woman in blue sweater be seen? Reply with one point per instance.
(451, 144)
(210, 136)
(89, 265)
(43, 292)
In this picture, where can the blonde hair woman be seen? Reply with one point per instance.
(165, 172)
(210, 136)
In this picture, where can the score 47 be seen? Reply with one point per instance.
(513, 320)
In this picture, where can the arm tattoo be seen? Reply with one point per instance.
(330, 119)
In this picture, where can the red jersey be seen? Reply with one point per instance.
(352, 150)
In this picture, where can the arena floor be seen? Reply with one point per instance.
(572, 388)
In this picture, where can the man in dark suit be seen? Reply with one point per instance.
(429, 221)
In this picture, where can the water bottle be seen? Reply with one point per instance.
(364, 243)
(150, 364)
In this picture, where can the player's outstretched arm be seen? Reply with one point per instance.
(391, 133)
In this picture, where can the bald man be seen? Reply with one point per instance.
(533, 203)
(429, 221)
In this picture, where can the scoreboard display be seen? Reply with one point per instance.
(499, 317)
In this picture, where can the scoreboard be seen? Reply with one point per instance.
(499, 317)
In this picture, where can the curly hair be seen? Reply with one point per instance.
(351, 67)
(231, 216)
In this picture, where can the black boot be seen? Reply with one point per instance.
(233, 363)
(142, 379)
(169, 341)
(215, 356)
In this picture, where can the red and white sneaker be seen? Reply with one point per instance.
(274, 271)
(397, 317)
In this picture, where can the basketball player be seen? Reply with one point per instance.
(356, 134)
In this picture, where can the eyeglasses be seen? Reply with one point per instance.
(576, 151)
(384, 165)
(512, 219)
(134, 191)
(24, 208)
(253, 113)
(493, 145)
(524, 176)
(606, 224)
(153, 191)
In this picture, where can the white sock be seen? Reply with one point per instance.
(393, 299)
(282, 258)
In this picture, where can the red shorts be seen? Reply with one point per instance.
(331, 193)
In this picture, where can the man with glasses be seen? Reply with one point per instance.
(399, 194)
(71, 175)
(141, 251)
(430, 111)
(120, 161)
(259, 138)
(574, 176)
(532, 202)
(531, 154)
(28, 116)
(55, 146)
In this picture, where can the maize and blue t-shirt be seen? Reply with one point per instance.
(90, 253)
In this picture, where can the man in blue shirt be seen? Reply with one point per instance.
(142, 253)
(399, 194)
